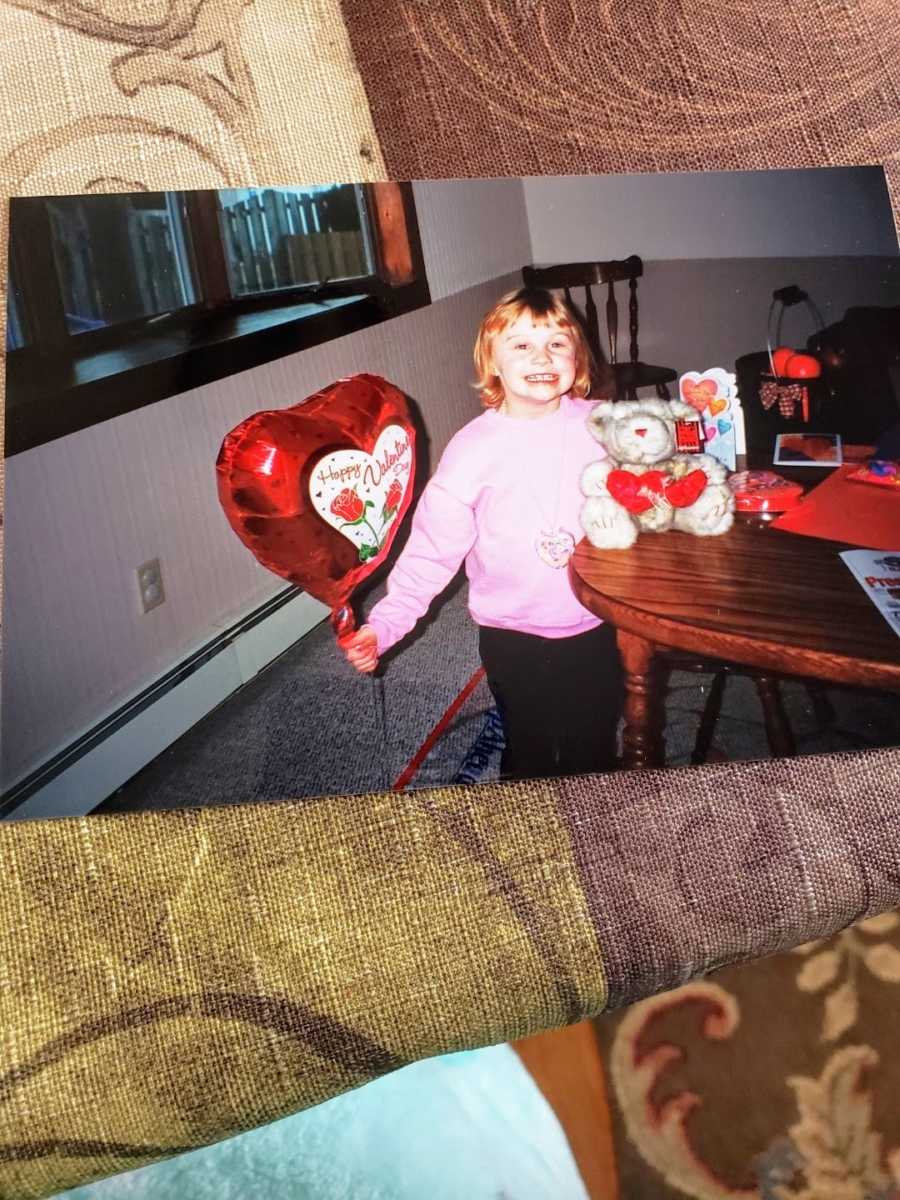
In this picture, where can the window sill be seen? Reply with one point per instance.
(48, 399)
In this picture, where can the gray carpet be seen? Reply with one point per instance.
(309, 725)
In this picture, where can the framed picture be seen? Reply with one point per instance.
(808, 450)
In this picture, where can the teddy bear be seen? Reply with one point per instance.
(644, 485)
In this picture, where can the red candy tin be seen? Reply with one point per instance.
(764, 492)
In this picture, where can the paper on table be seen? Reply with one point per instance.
(843, 511)
(879, 577)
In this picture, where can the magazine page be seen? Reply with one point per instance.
(878, 573)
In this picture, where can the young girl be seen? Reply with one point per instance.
(505, 498)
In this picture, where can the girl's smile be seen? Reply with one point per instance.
(535, 364)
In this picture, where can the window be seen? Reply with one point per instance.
(119, 258)
(288, 237)
(116, 301)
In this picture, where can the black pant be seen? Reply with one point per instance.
(560, 699)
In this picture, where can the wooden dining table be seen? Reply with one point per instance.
(756, 595)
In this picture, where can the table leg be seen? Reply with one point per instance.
(708, 719)
(642, 739)
(778, 728)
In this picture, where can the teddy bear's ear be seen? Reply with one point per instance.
(680, 410)
(597, 418)
(601, 411)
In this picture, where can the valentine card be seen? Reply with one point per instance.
(714, 396)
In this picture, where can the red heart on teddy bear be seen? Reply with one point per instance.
(682, 492)
(633, 491)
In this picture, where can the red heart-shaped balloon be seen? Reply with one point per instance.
(317, 491)
(682, 492)
(631, 491)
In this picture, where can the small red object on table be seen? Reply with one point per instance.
(763, 492)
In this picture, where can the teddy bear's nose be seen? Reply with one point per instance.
(640, 432)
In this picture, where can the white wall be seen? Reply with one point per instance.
(472, 230)
(740, 214)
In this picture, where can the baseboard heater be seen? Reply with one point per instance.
(94, 765)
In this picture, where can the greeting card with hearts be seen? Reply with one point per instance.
(713, 393)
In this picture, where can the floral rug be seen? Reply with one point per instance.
(777, 1080)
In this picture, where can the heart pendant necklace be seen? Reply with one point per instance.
(554, 546)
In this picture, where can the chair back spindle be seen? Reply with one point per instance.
(593, 324)
(633, 319)
(612, 321)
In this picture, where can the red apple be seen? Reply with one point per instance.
(802, 366)
(780, 357)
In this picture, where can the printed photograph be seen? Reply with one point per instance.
(354, 488)
(812, 449)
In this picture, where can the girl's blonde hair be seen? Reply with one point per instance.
(544, 309)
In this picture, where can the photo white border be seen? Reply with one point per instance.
(778, 461)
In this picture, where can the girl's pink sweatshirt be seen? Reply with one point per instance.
(499, 484)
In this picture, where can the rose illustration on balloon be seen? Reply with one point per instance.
(393, 498)
(348, 506)
(352, 510)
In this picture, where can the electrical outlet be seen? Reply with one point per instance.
(150, 585)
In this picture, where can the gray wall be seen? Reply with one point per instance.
(740, 214)
(704, 313)
(472, 230)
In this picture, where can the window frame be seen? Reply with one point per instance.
(61, 382)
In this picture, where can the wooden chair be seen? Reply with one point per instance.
(628, 376)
